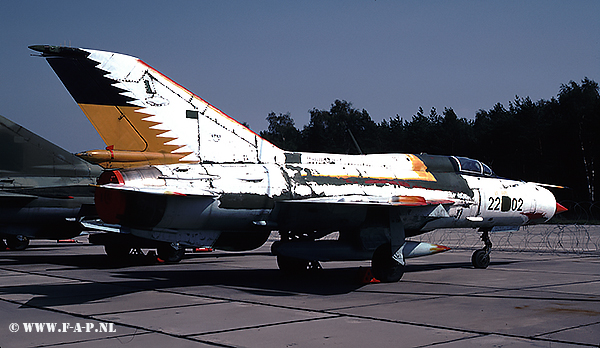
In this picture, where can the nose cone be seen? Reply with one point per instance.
(546, 206)
(560, 209)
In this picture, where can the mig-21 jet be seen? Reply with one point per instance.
(44, 190)
(188, 174)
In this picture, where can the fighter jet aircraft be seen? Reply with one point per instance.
(44, 190)
(200, 178)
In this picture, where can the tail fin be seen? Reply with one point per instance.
(146, 118)
(27, 154)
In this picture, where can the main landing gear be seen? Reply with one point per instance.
(481, 257)
(122, 247)
(292, 265)
(387, 264)
(167, 252)
(15, 243)
(384, 266)
(170, 252)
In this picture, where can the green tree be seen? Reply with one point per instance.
(579, 113)
(282, 132)
(333, 130)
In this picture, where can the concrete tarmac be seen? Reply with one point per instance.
(219, 299)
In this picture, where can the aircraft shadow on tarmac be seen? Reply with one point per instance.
(138, 276)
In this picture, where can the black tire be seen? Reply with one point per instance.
(292, 265)
(170, 253)
(384, 267)
(480, 259)
(17, 243)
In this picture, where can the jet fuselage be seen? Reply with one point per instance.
(316, 194)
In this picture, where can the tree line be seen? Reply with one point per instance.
(547, 141)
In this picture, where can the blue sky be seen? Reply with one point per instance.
(249, 58)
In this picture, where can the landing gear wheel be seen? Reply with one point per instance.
(170, 252)
(480, 259)
(17, 243)
(384, 267)
(293, 265)
(2, 245)
(117, 252)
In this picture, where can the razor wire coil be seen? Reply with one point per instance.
(575, 231)
(555, 238)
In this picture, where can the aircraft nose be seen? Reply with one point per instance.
(560, 208)
(547, 204)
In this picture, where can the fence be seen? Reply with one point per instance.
(557, 238)
(574, 231)
(582, 213)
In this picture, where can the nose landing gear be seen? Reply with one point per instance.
(481, 257)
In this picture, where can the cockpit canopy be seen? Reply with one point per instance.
(471, 166)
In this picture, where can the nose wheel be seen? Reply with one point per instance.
(481, 257)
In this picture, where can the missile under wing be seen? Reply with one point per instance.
(44, 189)
(206, 180)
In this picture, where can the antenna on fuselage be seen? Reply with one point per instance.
(355, 142)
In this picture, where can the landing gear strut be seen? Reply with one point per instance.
(481, 257)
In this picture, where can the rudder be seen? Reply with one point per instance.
(145, 117)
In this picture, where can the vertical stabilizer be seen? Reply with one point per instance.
(144, 116)
(27, 154)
